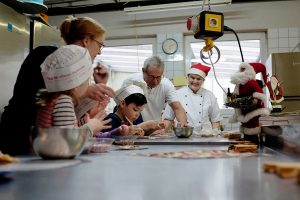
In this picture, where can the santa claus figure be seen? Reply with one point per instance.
(276, 94)
(248, 87)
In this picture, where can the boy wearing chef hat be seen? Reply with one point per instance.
(130, 103)
(66, 74)
(200, 104)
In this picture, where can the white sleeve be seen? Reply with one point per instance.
(215, 114)
(168, 113)
(171, 94)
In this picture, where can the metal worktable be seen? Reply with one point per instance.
(120, 175)
(193, 140)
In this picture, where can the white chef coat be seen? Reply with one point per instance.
(201, 108)
(156, 97)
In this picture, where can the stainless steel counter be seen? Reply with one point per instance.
(120, 175)
(193, 140)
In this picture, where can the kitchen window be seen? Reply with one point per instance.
(125, 57)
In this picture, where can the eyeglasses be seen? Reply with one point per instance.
(100, 44)
(154, 77)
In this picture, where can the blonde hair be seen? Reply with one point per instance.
(73, 29)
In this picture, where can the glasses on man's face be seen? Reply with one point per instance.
(100, 44)
(153, 77)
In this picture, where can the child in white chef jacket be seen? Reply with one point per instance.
(66, 74)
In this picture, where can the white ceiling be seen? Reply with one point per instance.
(62, 7)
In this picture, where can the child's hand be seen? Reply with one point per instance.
(124, 129)
(135, 130)
(131, 130)
(158, 132)
(150, 125)
(97, 123)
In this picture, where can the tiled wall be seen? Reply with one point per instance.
(174, 64)
(281, 40)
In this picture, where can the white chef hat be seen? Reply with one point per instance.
(124, 92)
(84, 106)
(66, 68)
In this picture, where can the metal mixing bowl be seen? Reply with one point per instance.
(183, 132)
(60, 142)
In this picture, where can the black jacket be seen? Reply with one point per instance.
(20, 114)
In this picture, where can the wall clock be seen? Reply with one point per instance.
(169, 46)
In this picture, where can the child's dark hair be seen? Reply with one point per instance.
(136, 98)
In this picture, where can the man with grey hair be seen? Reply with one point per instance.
(158, 91)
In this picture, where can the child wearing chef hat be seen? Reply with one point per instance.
(66, 74)
(130, 103)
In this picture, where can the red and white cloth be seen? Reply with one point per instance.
(246, 85)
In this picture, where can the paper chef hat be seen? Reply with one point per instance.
(84, 106)
(124, 92)
(66, 68)
(199, 69)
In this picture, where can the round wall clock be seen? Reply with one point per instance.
(169, 46)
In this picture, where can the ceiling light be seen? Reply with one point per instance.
(173, 6)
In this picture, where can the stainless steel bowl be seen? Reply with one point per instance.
(60, 142)
(183, 132)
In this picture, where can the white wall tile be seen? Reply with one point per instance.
(292, 49)
(161, 38)
(168, 66)
(169, 35)
(283, 32)
(293, 32)
(159, 48)
(180, 47)
(179, 65)
(179, 73)
(293, 42)
(169, 74)
(162, 56)
(272, 33)
(283, 42)
(273, 50)
(283, 50)
(273, 43)
(178, 37)
(170, 57)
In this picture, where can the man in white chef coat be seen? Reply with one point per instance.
(158, 91)
(200, 104)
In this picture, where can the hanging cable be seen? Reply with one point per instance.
(212, 64)
(226, 28)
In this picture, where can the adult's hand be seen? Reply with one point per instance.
(100, 74)
(100, 92)
(98, 123)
